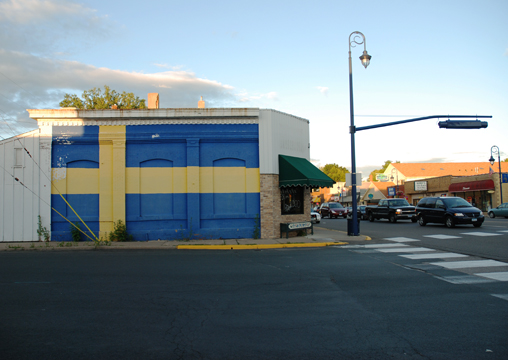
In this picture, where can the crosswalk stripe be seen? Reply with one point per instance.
(500, 276)
(409, 249)
(464, 279)
(433, 256)
(401, 239)
(442, 236)
(469, 264)
(477, 233)
(385, 245)
(501, 296)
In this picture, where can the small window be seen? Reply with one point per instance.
(292, 200)
(18, 157)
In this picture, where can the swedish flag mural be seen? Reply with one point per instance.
(165, 181)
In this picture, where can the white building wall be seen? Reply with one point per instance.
(283, 134)
(20, 205)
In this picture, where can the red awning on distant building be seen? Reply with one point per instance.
(472, 186)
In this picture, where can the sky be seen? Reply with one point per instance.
(429, 57)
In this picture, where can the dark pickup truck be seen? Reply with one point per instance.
(393, 210)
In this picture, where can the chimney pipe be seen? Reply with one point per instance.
(153, 100)
(201, 103)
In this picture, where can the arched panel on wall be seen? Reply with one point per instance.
(229, 186)
(78, 182)
(82, 189)
(156, 188)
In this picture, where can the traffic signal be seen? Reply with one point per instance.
(463, 124)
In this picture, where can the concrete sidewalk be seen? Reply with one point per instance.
(321, 237)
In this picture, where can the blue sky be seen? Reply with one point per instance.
(428, 58)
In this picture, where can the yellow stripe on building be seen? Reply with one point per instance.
(156, 180)
(75, 181)
(220, 180)
(180, 180)
(111, 176)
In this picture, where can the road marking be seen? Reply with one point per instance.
(385, 245)
(503, 230)
(500, 276)
(405, 249)
(469, 264)
(401, 239)
(480, 234)
(464, 279)
(442, 236)
(501, 296)
(433, 256)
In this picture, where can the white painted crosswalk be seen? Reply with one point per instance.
(449, 260)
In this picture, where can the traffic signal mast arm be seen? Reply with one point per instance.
(449, 124)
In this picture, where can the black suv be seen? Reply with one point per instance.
(449, 211)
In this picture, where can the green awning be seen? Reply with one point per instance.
(295, 171)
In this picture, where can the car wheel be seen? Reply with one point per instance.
(371, 217)
(330, 215)
(477, 224)
(421, 221)
(492, 215)
(392, 218)
(449, 222)
(317, 222)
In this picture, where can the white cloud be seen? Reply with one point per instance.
(245, 97)
(43, 26)
(31, 82)
(323, 90)
(36, 36)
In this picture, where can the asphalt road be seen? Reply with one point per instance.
(327, 303)
(488, 241)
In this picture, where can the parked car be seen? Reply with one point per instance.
(315, 217)
(501, 210)
(361, 211)
(332, 210)
(449, 211)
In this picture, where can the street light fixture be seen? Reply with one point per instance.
(495, 150)
(355, 38)
(392, 178)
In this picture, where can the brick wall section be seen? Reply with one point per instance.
(271, 217)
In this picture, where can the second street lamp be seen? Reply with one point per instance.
(495, 150)
(355, 38)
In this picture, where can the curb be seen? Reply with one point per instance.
(255, 247)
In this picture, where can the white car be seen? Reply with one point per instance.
(315, 217)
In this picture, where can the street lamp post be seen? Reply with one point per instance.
(495, 150)
(392, 178)
(355, 38)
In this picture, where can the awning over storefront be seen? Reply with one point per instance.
(472, 186)
(295, 171)
(316, 199)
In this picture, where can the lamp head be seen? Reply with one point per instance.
(365, 58)
(492, 160)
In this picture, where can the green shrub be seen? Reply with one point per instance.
(76, 232)
(120, 232)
